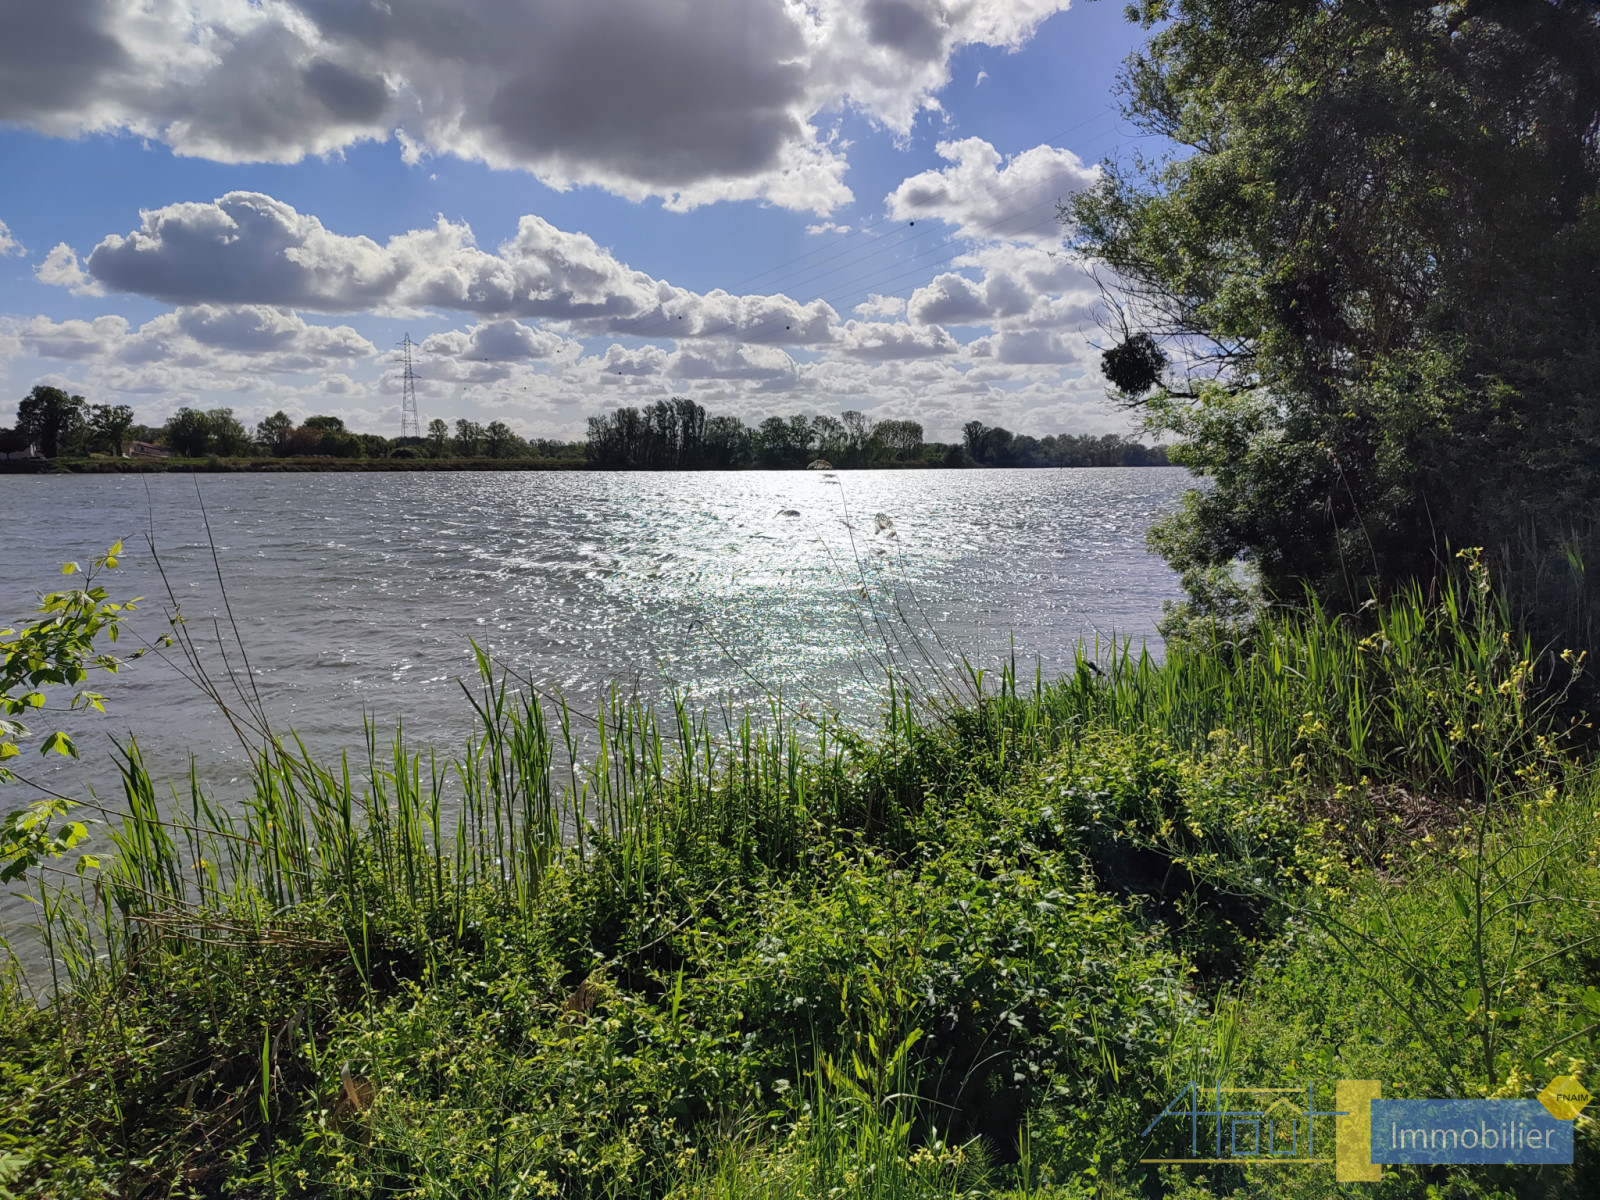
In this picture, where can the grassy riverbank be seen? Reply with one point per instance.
(972, 955)
(212, 463)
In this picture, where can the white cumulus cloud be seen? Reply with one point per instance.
(883, 340)
(498, 342)
(690, 100)
(991, 198)
(881, 306)
(1020, 286)
(249, 248)
(61, 268)
(210, 338)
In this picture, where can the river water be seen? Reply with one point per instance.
(361, 594)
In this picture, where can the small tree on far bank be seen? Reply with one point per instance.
(469, 438)
(438, 437)
(228, 435)
(188, 433)
(900, 439)
(52, 419)
(500, 442)
(192, 433)
(333, 439)
(272, 433)
(110, 426)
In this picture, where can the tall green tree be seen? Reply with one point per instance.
(51, 419)
(726, 443)
(1366, 294)
(789, 442)
(500, 442)
(670, 434)
(972, 434)
(110, 426)
(900, 439)
(188, 432)
(374, 445)
(229, 437)
(859, 444)
(327, 435)
(469, 438)
(272, 433)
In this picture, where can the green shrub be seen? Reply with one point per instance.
(976, 952)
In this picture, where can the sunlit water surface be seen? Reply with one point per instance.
(359, 595)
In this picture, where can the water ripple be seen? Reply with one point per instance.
(360, 593)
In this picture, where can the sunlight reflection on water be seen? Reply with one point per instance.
(358, 593)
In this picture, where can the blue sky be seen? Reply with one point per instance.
(768, 205)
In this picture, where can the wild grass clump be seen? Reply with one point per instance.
(636, 953)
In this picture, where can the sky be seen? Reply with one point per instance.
(770, 206)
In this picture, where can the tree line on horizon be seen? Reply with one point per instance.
(63, 425)
(678, 434)
(675, 434)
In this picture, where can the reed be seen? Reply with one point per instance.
(1431, 694)
(313, 910)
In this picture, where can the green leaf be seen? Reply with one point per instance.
(266, 1073)
(60, 743)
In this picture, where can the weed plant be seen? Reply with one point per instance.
(655, 953)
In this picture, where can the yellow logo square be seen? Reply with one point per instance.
(1564, 1098)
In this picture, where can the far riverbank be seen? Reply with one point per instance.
(137, 466)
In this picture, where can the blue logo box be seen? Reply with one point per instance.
(1468, 1131)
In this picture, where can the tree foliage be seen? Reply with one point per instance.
(677, 434)
(997, 446)
(60, 424)
(229, 437)
(469, 438)
(52, 419)
(58, 650)
(272, 433)
(110, 426)
(192, 433)
(1376, 273)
